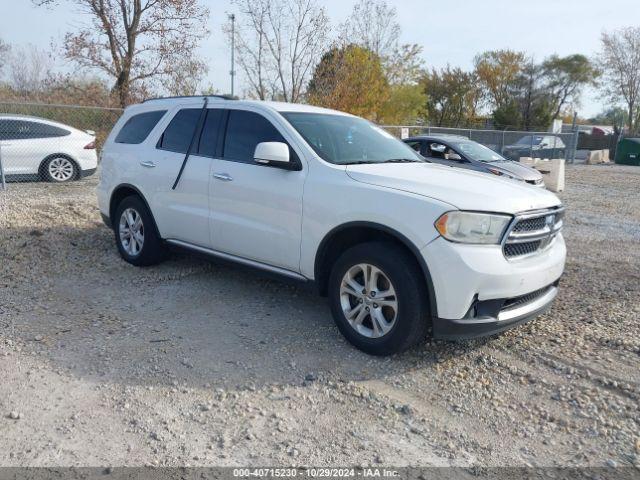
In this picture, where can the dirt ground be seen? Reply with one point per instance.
(202, 364)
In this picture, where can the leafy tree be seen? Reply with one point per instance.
(136, 43)
(499, 73)
(566, 77)
(452, 96)
(350, 79)
(404, 106)
(620, 61)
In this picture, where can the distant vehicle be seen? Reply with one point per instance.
(34, 147)
(460, 152)
(536, 146)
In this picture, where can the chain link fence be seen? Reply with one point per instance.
(60, 143)
(54, 143)
(511, 144)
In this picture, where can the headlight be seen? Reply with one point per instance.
(472, 227)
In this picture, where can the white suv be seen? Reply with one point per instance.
(400, 246)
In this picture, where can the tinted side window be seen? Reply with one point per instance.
(209, 135)
(138, 127)
(23, 130)
(245, 130)
(178, 135)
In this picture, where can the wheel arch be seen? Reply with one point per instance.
(121, 192)
(51, 156)
(349, 234)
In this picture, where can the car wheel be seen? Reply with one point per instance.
(136, 235)
(378, 298)
(59, 170)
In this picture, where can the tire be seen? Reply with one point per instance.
(383, 329)
(59, 169)
(141, 248)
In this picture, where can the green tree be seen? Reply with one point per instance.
(565, 79)
(452, 96)
(350, 79)
(499, 73)
(404, 106)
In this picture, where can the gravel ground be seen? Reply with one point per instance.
(201, 364)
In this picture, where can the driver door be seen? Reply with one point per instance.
(255, 209)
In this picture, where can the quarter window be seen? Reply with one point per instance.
(245, 130)
(178, 135)
(138, 127)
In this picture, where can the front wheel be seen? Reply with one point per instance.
(136, 236)
(378, 298)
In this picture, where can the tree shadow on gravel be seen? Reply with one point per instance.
(187, 322)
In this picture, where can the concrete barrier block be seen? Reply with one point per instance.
(605, 156)
(528, 161)
(552, 172)
(594, 157)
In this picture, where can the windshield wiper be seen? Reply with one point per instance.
(391, 160)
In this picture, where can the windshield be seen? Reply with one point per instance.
(530, 140)
(477, 152)
(347, 140)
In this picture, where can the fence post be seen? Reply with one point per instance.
(2, 180)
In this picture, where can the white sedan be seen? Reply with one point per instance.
(35, 148)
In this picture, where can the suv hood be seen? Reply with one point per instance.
(466, 190)
(516, 170)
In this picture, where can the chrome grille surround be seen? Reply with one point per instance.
(532, 232)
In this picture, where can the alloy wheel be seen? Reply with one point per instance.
(131, 232)
(368, 300)
(61, 169)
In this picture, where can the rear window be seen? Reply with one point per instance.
(138, 127)
(178, 135)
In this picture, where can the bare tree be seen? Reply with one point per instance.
(373, 25)
(135, 42)
(278, 44)
(620, 61)
(29, 69)
(4, 54)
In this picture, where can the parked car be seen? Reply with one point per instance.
(460, 152)
(33, 147)
(399, 245)
(536, 146)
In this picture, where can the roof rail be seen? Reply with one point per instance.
(224, 97)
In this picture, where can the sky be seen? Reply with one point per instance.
(451, 32)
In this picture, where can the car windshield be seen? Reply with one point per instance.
(477, 152)
(530, 140)
(345, 140)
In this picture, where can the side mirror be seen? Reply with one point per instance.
(272, 153)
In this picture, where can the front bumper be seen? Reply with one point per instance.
(468, 277)
(491, 317)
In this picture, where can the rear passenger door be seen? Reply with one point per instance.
(183, 213)
(256, 210)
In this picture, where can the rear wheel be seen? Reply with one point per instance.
(59, 170)
(136, 236)
(378, 298)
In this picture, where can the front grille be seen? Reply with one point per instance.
(532, 232)
(512, 303)
(519, 249)
(530, 224)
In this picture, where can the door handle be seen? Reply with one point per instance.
(148, 164)
(225, 177)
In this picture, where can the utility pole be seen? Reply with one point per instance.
(232, 17)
